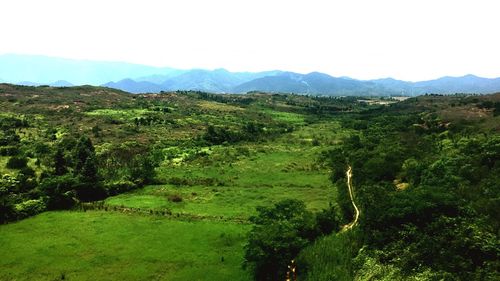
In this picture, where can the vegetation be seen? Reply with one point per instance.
(278, 235)
(233, 187)
(427, 183)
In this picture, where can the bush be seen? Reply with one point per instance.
(9, 138)
(9, 151)
(220, 135)
(30, 208)
(59, 191)
(121, 186)
(16, 162)
(7, 211)
(176, 198)
(328, 220)
(88, 191)
(27, 179)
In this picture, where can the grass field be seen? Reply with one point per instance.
(231, 181)
(113, 246)
(228, 202)
(288, 117)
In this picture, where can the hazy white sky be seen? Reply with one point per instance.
(411, 40)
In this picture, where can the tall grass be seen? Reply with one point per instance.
(329, 258)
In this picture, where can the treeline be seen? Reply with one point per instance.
(241, 100)
(250, 131)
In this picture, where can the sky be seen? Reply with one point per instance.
(363, 39)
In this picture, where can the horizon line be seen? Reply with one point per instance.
(226, 69)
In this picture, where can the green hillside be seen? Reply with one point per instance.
(99, 184)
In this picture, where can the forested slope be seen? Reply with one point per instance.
(426, 177)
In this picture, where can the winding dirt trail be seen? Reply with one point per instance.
(356, 209)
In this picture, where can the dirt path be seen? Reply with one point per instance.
(357, 212)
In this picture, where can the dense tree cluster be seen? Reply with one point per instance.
(250, 131)
(72, 171)
(429, 193)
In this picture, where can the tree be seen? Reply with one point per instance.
(27, 179)
(279, 233)
(327, 220)
(59, 191)
(7, 186)
(89, 170)
(84, 149)
(143, 170)
(60, 162)
(88, 186)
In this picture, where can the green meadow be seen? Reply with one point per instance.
(97, 245)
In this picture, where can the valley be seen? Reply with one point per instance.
(100, 184)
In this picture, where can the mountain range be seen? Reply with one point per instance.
(135, 78)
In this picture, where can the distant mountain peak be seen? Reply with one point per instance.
(43, 70)
(61, 83)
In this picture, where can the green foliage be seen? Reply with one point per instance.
(59, 191)
(329, 258)
(422, 228)
(425, 177)
(118, 187)
(29, 208)
(144, 170)
(27, 180)
(9, 122)
(84, 151)
(88, 186)
(8, 185)
(9, 151)
(327, 220)
(60, 165)
(16, 162)
(220, 135)
(279, 233)
(9, 137)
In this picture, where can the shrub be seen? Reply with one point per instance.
(16, 162)
(178, 181)
(59, 191)
(88, 191)
(176, 198)
(7, 211)
(30, 208)
(328, 220)
(121, 186)
(9, 151)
